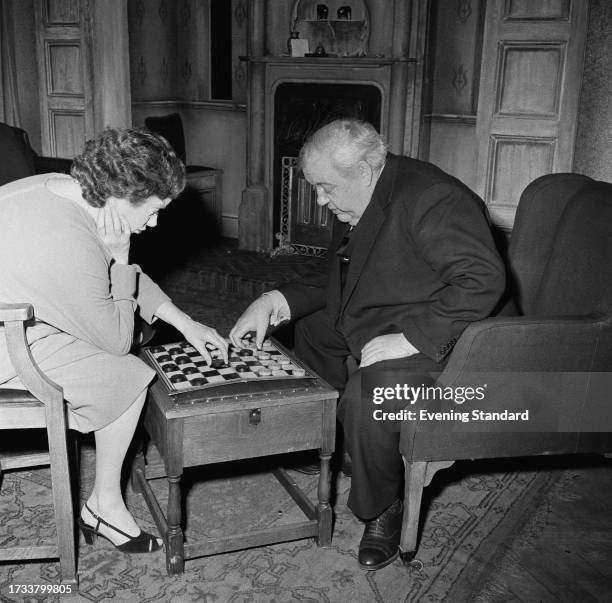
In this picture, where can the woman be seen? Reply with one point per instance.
(64, 248)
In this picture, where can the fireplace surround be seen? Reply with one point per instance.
(299, 224)
(382, 89)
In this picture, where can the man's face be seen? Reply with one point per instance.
(346, 196)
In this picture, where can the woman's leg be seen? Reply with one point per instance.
(106, 500)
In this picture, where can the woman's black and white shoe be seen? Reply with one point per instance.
(142, 543)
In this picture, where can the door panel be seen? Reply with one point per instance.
(528, 101)
(64, 75)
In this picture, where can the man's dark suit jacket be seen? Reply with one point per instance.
(423, 263)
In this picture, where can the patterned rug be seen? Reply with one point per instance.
(468, 510)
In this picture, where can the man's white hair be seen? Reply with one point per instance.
(348, 141)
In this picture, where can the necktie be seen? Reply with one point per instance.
(343, 253)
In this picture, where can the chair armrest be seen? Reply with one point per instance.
(14, 317)
(44, 165)
(556, 368)
(528, 344)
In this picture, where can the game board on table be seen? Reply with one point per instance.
(182, 368)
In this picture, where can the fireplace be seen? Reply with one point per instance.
(300, 224)
(289, 97)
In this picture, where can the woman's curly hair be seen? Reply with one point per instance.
(132, 164)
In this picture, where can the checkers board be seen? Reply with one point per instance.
(182, 369)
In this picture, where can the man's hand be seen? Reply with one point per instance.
(386, 347)
(115, 233)
(256, 318)
(198, 335)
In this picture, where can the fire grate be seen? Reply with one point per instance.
(305, 226)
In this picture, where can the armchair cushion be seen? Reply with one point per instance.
(537, 218)
(573, 281)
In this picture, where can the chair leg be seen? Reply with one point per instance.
(414, 476)
(62, 498)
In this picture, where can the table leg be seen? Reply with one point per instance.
(324, 510)
(175, 554)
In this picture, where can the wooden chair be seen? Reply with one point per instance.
(554, 357)
(41, 406)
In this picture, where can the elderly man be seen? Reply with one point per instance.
(411, 263)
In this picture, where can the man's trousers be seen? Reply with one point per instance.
(377, 473)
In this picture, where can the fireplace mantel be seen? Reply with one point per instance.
(398, 77)
(345, 62)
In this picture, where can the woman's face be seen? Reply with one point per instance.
(141, 216)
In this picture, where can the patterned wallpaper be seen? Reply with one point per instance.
(169, 54)
(458, 32)
(593, 154)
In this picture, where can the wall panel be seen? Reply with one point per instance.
(530, 79)
(67, 132)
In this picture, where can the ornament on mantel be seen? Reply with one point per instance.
(297, 46)
(342, 28)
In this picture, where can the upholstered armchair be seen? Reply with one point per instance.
(19, 159)
(171, 128)
(554, 358)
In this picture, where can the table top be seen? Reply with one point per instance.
(240, 395)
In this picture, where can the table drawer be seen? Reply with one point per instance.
(252, 432)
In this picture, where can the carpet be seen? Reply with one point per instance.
(468, 508)
(474, 514)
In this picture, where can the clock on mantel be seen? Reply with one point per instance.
(340, 27)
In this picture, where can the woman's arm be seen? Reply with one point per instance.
(197, 334)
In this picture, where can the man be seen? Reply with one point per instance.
(411, 264)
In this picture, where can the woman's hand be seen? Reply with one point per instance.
(198, 335)
(115, 233)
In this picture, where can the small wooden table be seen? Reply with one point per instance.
(229, 423)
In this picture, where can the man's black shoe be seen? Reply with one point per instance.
(306, 462)
(308, 468)
(314, 468)
(379, 544)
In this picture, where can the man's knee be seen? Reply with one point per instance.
(381, 391)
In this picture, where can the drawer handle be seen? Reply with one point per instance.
(255, 416)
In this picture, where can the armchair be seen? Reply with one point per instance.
(204, 183)
(41, 406)
(171, 128)
(554, 357)
(19, 160)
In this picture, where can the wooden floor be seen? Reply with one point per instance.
(565, 551)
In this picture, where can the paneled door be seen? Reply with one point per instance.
(64, 76)
(531, 74)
